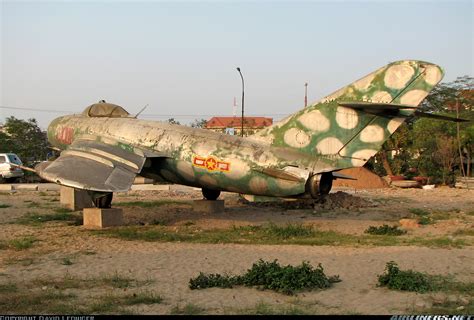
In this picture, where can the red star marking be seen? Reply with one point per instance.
(211, 164)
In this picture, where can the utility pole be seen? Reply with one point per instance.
(305, 94)
(242, 127)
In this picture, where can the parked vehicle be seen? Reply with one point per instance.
(9, 173)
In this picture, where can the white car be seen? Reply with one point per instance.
(8, 172)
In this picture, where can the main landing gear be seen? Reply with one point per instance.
(210, 194)
(103, 200)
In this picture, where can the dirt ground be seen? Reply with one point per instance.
(62, 250)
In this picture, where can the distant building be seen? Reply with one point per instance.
(464, 103)
(233, 125)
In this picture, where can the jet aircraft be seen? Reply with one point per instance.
(104, 148)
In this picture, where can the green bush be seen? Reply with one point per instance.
(270, 275)
(409, 280)
(385, 230)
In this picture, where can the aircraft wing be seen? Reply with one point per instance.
(95, 166)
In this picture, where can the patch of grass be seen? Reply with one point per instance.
(450, 307)
(8, 287)
(22, 243)
(158, 222)
(33, 301)
(3, 245)
(32, 204)
(151, 204)
(425, 220)
(33, 218)
(63, 210)
(385, 230)
(289, 231)
(188, 309)
(268, 234)
(3, 206)
(464, 232)
(66, 261)
(88, 252)
(42, 194)
(117, 281)
(66, 282)
(419, 212)
(145, 297)
(25, 262)
(270, 276)
(263, 308)
(470, 213)
(69, 282)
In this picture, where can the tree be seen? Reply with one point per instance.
(199, 123)
(427, 144)
(173, 121)
(25, 139)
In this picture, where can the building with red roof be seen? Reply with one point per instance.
(233, 125)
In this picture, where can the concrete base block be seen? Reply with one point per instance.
(25, 187)
(49, 187)
(143, 180)
(102, 218)
(75, 199)
(150, 187)
(208, 206)
(6, 187)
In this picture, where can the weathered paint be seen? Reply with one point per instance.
(321, 138)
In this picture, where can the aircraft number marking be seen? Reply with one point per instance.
(211, 164)
(65, 135)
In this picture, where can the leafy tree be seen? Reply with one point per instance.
(173, 121)
(436, 148)
(199, 123)
(25, 139)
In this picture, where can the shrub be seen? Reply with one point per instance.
(409, 280)
(270, 275)
(385, 230)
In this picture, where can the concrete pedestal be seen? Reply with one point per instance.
(102, 218)
(74, 199)
(208, 206)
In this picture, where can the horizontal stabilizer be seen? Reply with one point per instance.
(375, 106)
(393, 109)
(438, 117)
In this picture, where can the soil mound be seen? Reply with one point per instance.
(366, 179)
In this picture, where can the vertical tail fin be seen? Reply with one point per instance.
(326, 128)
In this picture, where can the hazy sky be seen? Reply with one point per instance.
(181, 57)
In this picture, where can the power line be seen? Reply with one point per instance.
(145, 115)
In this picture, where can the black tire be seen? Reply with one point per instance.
(104, 202)
(210, 194)
(325, 184)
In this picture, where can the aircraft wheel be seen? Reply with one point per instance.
(105, 201)
(210, 194)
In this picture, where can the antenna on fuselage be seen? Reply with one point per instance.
(141, 111)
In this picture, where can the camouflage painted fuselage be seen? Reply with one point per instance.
(323, 137)
(195, 157)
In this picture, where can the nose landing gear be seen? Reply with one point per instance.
(210, 194)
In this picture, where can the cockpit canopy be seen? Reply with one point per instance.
(104, 109)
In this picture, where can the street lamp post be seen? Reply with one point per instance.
(242, 127)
